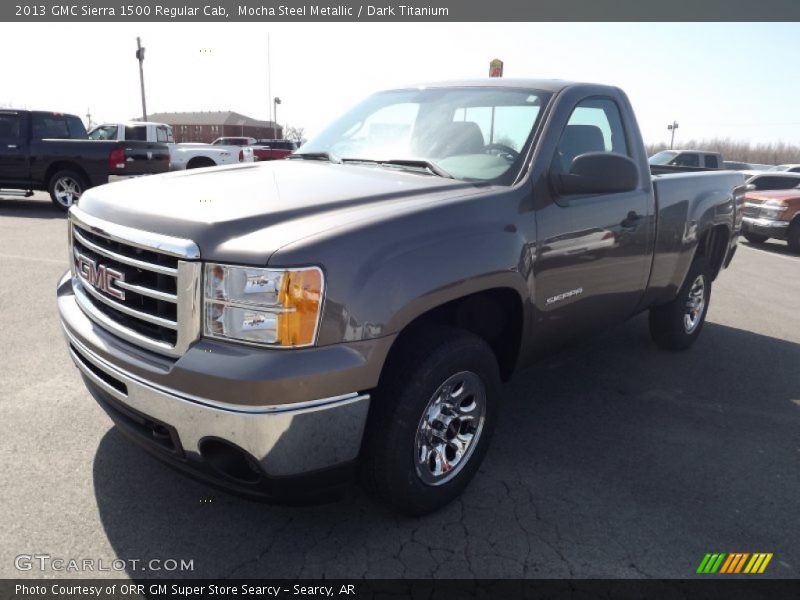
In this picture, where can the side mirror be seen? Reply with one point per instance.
(599, 173)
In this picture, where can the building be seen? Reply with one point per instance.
(208, 126)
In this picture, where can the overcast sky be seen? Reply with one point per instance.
(717, 80)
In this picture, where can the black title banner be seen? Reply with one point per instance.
(401, 11)
(446, 589)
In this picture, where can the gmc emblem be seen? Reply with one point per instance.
(100, 276)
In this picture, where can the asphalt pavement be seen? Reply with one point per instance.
(613, 459)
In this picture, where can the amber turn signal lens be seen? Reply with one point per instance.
(301, 295)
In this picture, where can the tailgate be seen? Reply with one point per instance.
(144, 158)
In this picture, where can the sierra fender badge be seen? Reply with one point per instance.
(564, 295)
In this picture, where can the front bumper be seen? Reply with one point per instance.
(297, 437)
(768, 227)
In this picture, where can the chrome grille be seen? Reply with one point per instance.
(751, 209)
(154, 298)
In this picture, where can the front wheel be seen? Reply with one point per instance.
(431, 420)
(676, 325)
(65, 188)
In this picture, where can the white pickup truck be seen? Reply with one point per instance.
(181, 156)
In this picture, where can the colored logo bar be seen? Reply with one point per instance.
(736, 562)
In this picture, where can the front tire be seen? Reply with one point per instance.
(65, 188)
(431, 420)
(755, 238)
(676, 325)
(793, 236)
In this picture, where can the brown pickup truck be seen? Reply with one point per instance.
(773, 214)
(277, 328)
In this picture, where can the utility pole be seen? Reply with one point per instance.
(269, 78)
(140, 58)
(276, 101)
(672, 127)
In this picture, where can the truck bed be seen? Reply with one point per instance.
(710, 196)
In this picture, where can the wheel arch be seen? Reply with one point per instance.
(64, 165)
(494, 314)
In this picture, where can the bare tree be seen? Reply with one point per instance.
(294, 134)
(769, 153)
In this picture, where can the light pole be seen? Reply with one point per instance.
(140, 58)
(276, 101)
(672, 127)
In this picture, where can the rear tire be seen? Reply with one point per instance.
(793, 236)
(676, 325)
(199, 163)
(65, 188)
(755, 238)
(431, 420)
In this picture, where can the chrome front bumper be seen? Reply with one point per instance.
(768, 227)
(285, 440)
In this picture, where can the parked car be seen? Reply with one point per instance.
(262, 149)
(274, 328)
(773, 181)
(688, 158)
(773, 214)
(792, 168)
(182, 156)
(276, 149)
(51, 152)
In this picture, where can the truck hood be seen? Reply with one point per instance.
(789, 196)
(244, 213)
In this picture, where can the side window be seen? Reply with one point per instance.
(50, 127)
(595, 125)
(9, 128)
(104, 132)
(162, 135)
(687, 159)
(136, 133)
(711, 161)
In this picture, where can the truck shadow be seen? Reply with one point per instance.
(610, 448)
(772, 247)
(29, 208)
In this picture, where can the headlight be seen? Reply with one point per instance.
(772, 211)
(275, 307)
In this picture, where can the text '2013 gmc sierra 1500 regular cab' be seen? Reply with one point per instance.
(271, 327)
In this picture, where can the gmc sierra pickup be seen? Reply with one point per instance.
(52, 152)
(274, 328)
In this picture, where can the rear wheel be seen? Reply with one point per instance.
(199, 163)
(793, 236)
(755, 238)
(431, 420)
(676, 325)
(65, 188)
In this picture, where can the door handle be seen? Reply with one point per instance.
(12, 145)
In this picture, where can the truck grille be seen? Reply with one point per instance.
(751, 210)
(133, 288)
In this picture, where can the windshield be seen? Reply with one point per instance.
(662, 158)
(780, 168)
(103, 132)
(469, 133)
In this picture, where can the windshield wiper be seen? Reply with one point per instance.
(418, 163)
(317, 156)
